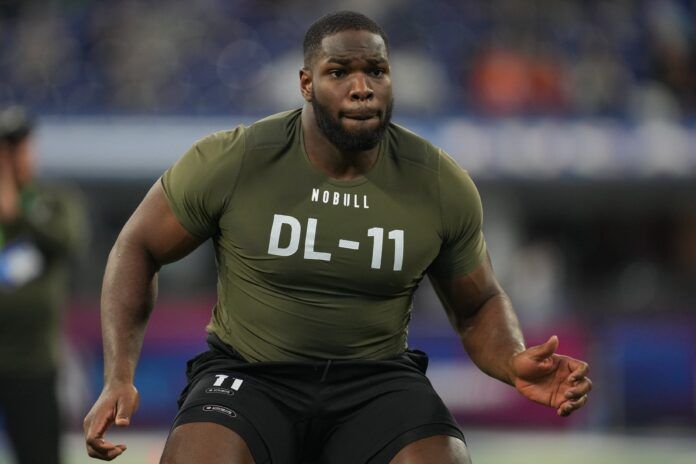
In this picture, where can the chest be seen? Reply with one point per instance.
(371, 238)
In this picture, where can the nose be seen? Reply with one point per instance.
(360, 89)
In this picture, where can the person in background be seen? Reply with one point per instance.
(42, 228)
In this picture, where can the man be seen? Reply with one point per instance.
(41, 230)
(324, 221)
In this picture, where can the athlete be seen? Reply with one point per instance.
(324, 221)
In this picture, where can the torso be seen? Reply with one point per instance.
(316, 268)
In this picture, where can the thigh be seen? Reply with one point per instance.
(442, 449)
(32, 418)
(205, 442)
(396, 415)
(246, 416)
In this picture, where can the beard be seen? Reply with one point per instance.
(347, 140)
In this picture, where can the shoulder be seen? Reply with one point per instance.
(208, 166)
(450, 172)
(455, 185)
(410, 147)
(269, 131)
(220, 144)
(212, 155)
(458, 192)
(273, 131)
(407, 146)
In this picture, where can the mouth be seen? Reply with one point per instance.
(360, 115)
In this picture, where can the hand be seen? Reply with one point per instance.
(116, 404)
(551, 379)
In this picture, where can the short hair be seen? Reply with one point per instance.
(333, 23)
(15, 125)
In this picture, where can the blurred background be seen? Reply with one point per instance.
(577, 120)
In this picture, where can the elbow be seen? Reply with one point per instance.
(128, 248)
(468, 317)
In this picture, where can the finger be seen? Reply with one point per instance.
(125, 409)
(574, 394)
(545, 350)
(98, 425)
(101, 449)
(581, 388)
(95, 433)
(568, 407)
(100, 444)
(577, 404)
(106, 455)
(579, 372)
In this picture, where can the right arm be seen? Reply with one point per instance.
(151, 238)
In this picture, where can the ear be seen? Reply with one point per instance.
(306, 83)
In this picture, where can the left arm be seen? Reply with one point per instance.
(482, 315)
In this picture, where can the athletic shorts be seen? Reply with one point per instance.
(328, 412)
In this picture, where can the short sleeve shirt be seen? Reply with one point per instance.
(311, 267)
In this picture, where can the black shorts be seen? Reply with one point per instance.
(329, 412)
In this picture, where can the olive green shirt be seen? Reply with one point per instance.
(311, 267)
(36, 253)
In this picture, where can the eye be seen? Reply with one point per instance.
(377, 72)
(337, 73)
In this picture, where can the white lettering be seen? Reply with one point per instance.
(348, 244)
(236, 384)
(274, 247)
(377, 234)
(398, 237)
(220, 378)
(350, 200)
(309, 252)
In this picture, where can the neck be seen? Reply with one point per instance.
(327, 158)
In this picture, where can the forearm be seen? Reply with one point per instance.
(492, 336)
(128, 295)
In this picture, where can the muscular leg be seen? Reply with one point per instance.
(205, 442)
(441, 449)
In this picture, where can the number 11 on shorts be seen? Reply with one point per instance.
(377, 234)
(220, 379)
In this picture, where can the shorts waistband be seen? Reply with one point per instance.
(413, 358)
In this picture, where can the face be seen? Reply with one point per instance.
(23, 161)
(349, 87)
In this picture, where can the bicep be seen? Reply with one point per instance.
(464, 295)
(154, 228)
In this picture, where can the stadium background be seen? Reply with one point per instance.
(577, 119)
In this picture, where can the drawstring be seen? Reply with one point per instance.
(326, 370)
